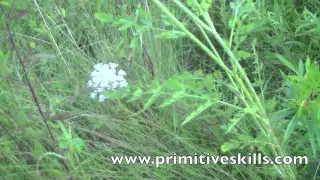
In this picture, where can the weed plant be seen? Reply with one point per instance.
(214, 77)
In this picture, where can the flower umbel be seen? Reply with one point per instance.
(106, 77)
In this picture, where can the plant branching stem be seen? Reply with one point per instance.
(238, 74)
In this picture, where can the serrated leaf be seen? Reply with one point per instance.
(195, 113)
(104, 17)
(173, 84)
(125, 26)
(176, 96)
(151, 100)
(137, 94)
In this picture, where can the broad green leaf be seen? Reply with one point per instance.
(243, 54)
(37, 149)
(104, 17)
(55, 173)
(32, 44)
(5, 3)
(205, 5)
(63, 12)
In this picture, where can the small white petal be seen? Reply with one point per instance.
(102, 97)
(105, 76)
(123, 84)
(93, 95)
(121, 73)
(89, 83)
(99, 90)
(113, 65)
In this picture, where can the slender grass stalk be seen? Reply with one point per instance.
(246, 86)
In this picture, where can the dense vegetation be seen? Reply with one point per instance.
(216, 77)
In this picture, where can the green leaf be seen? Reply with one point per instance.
(243, 54)
(287, 63)
(104, 17)
(205, 5)
(55, 173)
(291, 126)
(250, 110)
(281, 114)
(173, 83)
(301, 68)
(5, 3)
(233, 123)
(124, 27)
(137, 94)
(208, 82)
(311, 134)
(151, 100)
(277, 11)
(227, 146)
(199, 110)
(37, 149)
(134, 42)
(170, 34)
(176, 96)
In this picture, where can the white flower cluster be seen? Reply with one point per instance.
(105, 76)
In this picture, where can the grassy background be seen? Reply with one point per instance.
(61, 41)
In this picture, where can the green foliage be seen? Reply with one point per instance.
(227, 77)
(187, 85)
(303, 89)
